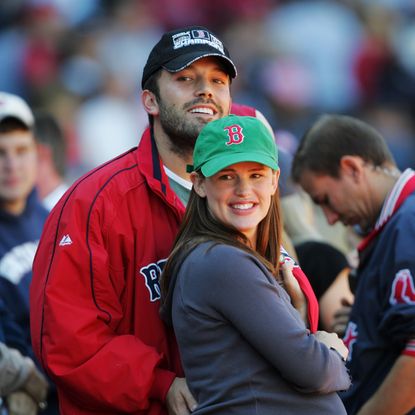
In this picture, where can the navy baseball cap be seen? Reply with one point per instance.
(179, 48)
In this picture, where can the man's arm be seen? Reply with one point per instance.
(395, 395)
(76, 319)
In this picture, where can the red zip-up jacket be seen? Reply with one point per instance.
(95, 322)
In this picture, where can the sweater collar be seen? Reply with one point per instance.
(31, 201)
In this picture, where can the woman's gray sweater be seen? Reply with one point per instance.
(245, 349)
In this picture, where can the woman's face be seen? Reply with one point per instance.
(239, 195)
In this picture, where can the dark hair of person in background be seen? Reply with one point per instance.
(346, 133)
(48, 132)
(8, 124)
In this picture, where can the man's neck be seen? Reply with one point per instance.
(383, 180)
(173, 161)
(48, 181)
(13, 208)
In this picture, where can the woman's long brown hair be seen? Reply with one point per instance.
(200, 226)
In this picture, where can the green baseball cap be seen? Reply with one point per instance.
(233, 139)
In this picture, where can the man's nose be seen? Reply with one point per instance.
(331, 216)
(11, 161)
(203, 88)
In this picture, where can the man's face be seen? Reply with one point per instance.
(342, 199)
(18, 165)
(191, 98)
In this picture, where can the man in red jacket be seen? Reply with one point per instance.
(95, 291)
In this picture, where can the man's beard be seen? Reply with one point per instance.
(182, 133)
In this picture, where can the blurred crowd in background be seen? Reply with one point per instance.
(82, 60)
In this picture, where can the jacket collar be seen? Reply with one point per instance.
(151, 166)
(404, 186)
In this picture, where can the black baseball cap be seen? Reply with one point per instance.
(179, 48)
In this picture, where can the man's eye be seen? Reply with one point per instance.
(219, 81)
(22, 150)
(324, 201)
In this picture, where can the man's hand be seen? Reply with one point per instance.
(179, 400)
(20, 403)
(36, 386)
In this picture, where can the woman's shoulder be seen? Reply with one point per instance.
(219, 260)
(215, 251)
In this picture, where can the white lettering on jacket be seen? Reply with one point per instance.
(16, 263)
(151, 274)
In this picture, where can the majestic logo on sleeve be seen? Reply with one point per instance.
(403, 290)
(151, 274)
(66, 240)
(350, 338)
(235, 135)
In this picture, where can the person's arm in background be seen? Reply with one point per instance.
(19, 373)
(22, 385)
(395, 396)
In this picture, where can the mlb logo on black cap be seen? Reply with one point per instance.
(200, 34)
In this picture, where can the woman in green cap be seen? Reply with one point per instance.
(244, 346)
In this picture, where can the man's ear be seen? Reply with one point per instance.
(198, 184)
(352, 166)
(150, 103)
(44, 152)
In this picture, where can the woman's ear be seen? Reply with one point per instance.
(150, 103)
(275, 179)
(198, 183)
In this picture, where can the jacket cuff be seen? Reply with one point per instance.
(161, 384)
(409, 350)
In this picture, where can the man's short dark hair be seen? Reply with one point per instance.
(333, 136)
(152, 83)
(48, 132)
(9, 124)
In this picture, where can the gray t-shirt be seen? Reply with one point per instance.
(245, 349)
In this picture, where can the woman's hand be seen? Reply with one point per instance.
(333, 341)
(293, 289)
